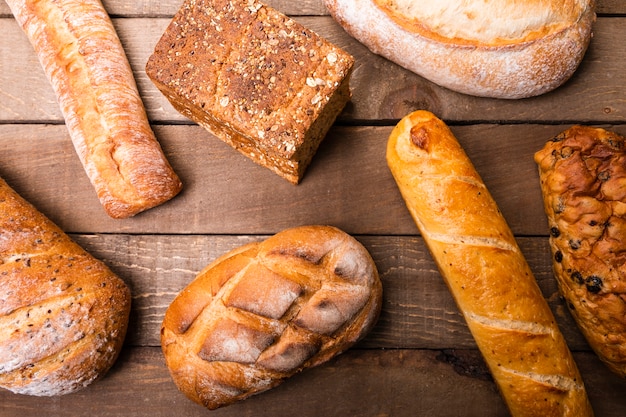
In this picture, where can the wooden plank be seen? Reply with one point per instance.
(594, 94)
(358, 383)
(418, 311)
(347, 185)
(304, 7)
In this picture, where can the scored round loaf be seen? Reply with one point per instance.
(63, 313)
(582, 173)
(267, 310)
(502, 49)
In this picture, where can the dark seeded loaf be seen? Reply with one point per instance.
(253, 77)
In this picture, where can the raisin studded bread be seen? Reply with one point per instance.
(582, 172)
(262, 312)
(253, 77)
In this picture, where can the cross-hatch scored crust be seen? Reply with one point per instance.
(251, 310)
(262, 312)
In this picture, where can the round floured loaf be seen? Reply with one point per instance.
(500, 49)
(264, 311)
(63, 313)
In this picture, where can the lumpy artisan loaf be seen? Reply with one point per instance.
(267, 310)
(485, 270)
(63, 313)
(255, 78)
(498, 48)
(582, 173)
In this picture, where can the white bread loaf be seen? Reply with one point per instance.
(265, 311)
(87, 67)
(485, 271)
(63, 313)
(502, 49)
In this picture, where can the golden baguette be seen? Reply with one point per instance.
(485, 270)
(87, 67)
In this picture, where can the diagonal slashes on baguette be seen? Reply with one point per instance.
(87, 67)
(485, 270)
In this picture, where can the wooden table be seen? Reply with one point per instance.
(420, 359)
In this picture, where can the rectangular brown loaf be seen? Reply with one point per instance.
(253, 77)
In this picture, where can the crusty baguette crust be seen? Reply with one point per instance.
(267, 310)
(582, 179)
(485, 270)
(529, 65)
(63, 314)
(87, 67)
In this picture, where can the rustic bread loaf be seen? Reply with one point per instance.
(63, 314)
(485, 270)
(253, 77)
(503, 49)
(265, 311)
(84, 61)
(582, 173)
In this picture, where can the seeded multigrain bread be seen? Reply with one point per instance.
(63, 313)
(265, 311)
(253, 77)
(582, 172)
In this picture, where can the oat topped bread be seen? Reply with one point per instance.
(582, 172)
(255, 78)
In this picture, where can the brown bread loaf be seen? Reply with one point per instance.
(253, 77)
(504, 49)
(485, 270)
(582, 173)
(63, 314)
(87, 67)
(265, 311)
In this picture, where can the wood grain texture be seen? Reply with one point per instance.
(358, 383)
(347, 185)
(420, 358)
(596, 93)
(304, 7)
(418, 311)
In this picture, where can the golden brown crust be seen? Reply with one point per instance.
(485, 270)
(265, 311)
(63, 314)
(470, 47)
(582, 179)
(87, 67)
(253, 77)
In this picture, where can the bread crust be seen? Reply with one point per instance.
(493, 62)
(267, 310)
(87, 67)
(485, 270)
(253, 77)
(63, 314)
(582, 175)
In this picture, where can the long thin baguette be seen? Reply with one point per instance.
(485, 270)
(84, 61)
